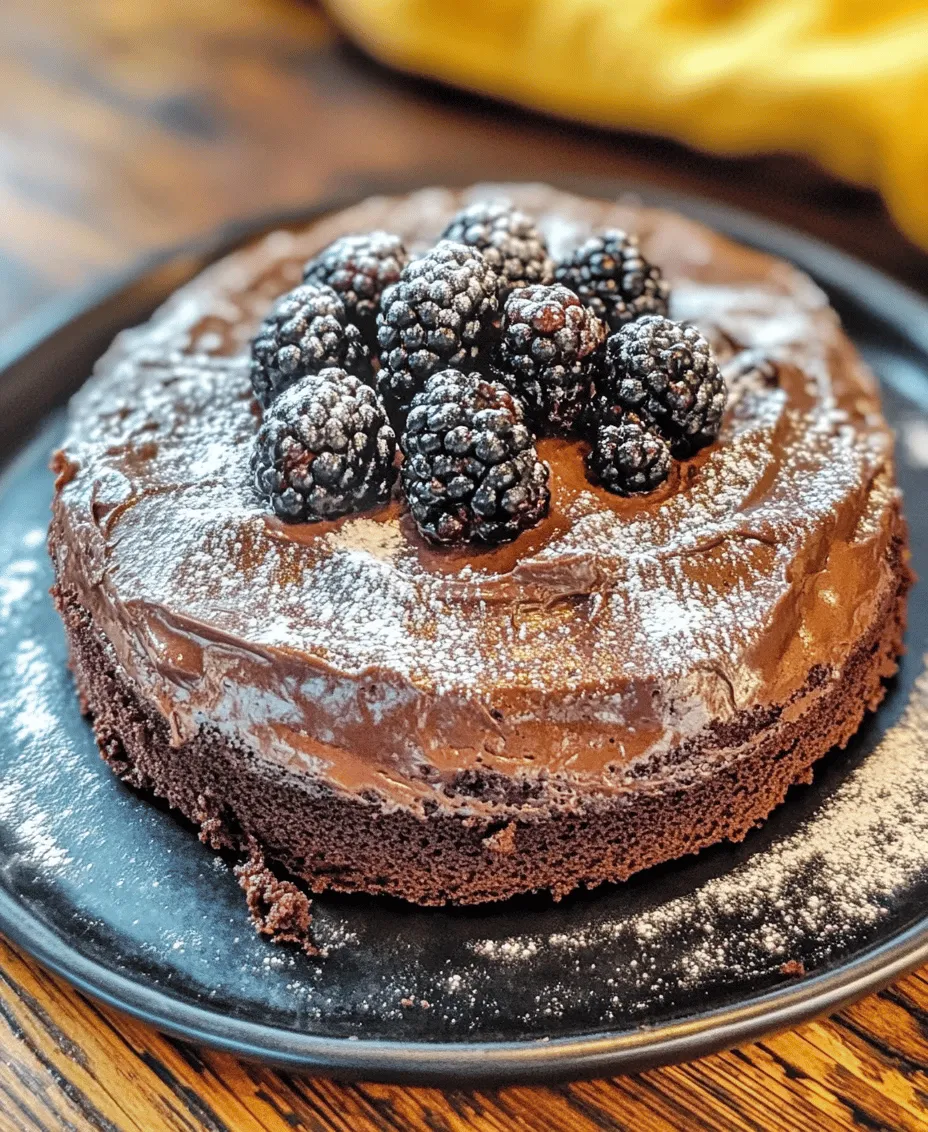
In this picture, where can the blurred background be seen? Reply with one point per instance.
(129, 126)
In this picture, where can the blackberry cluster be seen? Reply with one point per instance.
(306, 331)
(509, 241)
(438, 316)
(613, 278)
(628, 458)
(548, 352)
(479, 345)
(471, 470)
(359, 269)
(324, 448)
(664, 373)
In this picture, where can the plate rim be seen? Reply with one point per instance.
(485, 1062)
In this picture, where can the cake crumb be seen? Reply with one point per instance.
(793, 967)
(278, 909)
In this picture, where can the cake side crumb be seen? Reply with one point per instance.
(277, 908)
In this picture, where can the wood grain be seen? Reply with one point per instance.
(127, 127)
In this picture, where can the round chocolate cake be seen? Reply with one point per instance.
(634, 677)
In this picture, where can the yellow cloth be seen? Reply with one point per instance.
(843, 81)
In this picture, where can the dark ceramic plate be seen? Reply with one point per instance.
(118, 896)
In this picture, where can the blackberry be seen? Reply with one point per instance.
(664, 373)
(547, 351)
(306, 331)
(358, 269)
(324, 449)
(627, 458)
(437, 316)
(471, 470)
(613, 278)
(509, 240)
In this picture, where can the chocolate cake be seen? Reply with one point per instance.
(633, 678)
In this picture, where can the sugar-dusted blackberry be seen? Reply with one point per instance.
(548, 352)
(509, 240)
(439, 315)
(471, 471)
(324, 448)
(664, 373)
(628, 458)
(613, 278)
(359, 269)
(306, 331)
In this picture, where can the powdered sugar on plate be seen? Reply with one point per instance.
(838, 871)
(33, 723)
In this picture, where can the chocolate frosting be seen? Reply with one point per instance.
(598, 653)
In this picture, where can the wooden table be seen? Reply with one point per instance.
(127, 127)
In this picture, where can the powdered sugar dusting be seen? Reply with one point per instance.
(173, 914)
(167, 912)
(382, 541)
(33, 722)
(680, 596)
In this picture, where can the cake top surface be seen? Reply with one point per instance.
(650, 615)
